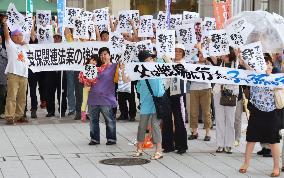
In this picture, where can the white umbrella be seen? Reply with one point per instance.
(269, 29)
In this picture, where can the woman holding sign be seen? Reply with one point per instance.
(102, 100)
(263, 124)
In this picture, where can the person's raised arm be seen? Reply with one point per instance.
(135, 32)
(98, 36)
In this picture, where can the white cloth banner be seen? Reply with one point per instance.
(252, 54)
(203, 73)
(61, 56)
(165, 43)
(146, 26)
(238, 32)
(218, 44)
(43, 17)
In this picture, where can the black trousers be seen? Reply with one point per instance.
(34, 79)
(53, 84)
(174, 140)
(125, 110)
(3, 93)
(78, 92)
(180, 134)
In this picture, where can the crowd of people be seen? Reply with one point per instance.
(190, 102)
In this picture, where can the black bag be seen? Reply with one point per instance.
(227, 98)
(162, 104)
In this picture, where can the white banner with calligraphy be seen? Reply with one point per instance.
(61, 56)
(203, 73)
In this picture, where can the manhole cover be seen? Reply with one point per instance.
(124, 161)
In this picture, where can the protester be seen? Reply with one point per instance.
(225, 115)
(3, 78)
(263, 124)
(94, 60)
(17, 74)
(148, 110)
(176, 139)
(200, 95)
(54, 85)
(102, 100)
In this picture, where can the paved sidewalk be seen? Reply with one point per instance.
(59, 148)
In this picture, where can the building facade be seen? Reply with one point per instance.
(204, 7)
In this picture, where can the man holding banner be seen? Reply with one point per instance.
(17, 74)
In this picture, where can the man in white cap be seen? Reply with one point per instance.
(17, 74)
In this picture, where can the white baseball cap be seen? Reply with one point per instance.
(179, 45)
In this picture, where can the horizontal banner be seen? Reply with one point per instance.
(203, 73)
(61, 56)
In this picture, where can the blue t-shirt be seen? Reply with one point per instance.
(146, 101)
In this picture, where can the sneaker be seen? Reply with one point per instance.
(237, 143)
(70, 113)
(50, 115)
(267, 153)
(261, 152)
(93, 143)
(33, 114)
(83, 116)
(110, 143)
(228, 150)
(219, 149)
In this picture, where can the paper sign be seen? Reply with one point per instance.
(44, 34)
(146, 26)
(252, 55)
(161, 21)
(43, 17)
(190, 15)
(15, 19)
(101, 16)
(218, 43)
(71, 14)
(90, 71)
(116, 43)
(143, 45)
(165, 43)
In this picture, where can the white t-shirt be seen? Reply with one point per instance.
(17, 59)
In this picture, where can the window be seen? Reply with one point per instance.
(150, 7)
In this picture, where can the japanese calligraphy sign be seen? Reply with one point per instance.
(238, 32)
(15, 19)
(116, 43)
(205, 40)
(143, 45)
(101, 16)
(71, 14)
(218, 43)
(190, 15)
(161, 21)
(90, 71)
(135, 16)
(165, 43)
(92, 30)
(86, 15)
(81, 28)
(176, 20)
(124, 21)
(43, 17)
(103, 27)
(186, 36)
(146, 26)
(203, 73)
(209, 24)
(27, 27)
(252, 54)
(61, 56)
(222, 12)
(129, 53)
(44, 34)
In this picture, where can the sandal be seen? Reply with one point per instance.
(157, 155)
(243, 169)
(273, 174)
(137, 154)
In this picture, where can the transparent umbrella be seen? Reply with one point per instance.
(269, 29)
